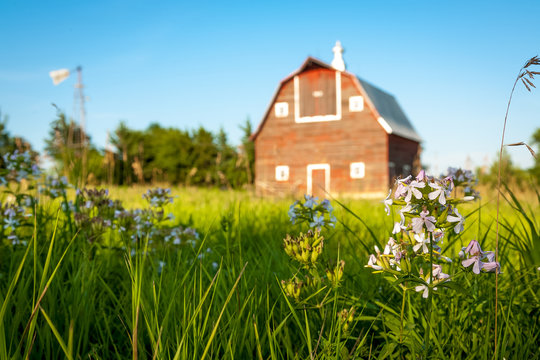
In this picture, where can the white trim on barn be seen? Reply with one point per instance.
(384, 125)
(282, 173)
(310, 168)
(307, 119)
(358, 170)
(356, 103)
(281, 109)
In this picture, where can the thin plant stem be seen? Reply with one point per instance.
(498, 208)
(402, 312)
(430, 287)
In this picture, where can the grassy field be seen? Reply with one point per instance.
(69, 293)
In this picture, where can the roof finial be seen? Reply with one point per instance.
(338, 62)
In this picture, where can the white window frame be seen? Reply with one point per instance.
(282, 169)
(358, 165)
(356, 103)
(281, 109)
(310, 168)
(317, 118)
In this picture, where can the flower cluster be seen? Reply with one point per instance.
(316, 214)
(94, 211)
(158, 197)
(292, 287)
(474, 255)
(148, 223)
(335, 274)
(12, 216)
(305, 248)
(54, 186)
(465, 179)
(428, 212)
(19, 166)
(345, 318)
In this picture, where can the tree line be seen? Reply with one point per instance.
(156, 154)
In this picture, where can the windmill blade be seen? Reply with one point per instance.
(59, 75)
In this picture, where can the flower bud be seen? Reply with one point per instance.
(314, 256)
(405, 265)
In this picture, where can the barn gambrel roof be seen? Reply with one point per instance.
(389, 109)
(384, 105)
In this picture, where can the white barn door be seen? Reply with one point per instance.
(318, 180)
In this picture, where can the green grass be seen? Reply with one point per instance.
(63, 297)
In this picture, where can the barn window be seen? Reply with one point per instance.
(282, 173)
(358, 170)
(282, 109)
(406, 170)
(317, 96)
(356, 103)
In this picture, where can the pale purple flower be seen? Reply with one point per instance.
(438, 235)
(438, 274)
(459, 219)
(421, 176)
(311, 201)
(421, 242)
(424, 288)
(412, 189)
(477, 261)
(490, 255)
(387, 203)
(476, 253)
(292, 212)
(318, 221)
(418, 223)
(372, 263)
(440, 192)
(492, 266)
(402, 187)
(326, 205)
(474, 248)
(398, 227)
(391, 247)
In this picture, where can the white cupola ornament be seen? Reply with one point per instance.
(338, 62)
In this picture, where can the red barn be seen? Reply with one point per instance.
(326, 130)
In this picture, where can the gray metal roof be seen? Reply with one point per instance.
(390, 111)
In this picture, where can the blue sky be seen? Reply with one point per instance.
(451, 64)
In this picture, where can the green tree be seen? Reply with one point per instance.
(66, 144)
(128, 144)
(247, 151)
(9, 144)
(203, 158)
(166, 154)
(510, 173)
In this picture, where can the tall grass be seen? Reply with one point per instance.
(65, 297)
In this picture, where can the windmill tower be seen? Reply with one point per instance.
(78, 106)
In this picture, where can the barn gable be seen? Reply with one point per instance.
(389, 113)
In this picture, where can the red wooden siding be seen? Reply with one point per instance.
(317, 90)
(403, 153)
(357, 137)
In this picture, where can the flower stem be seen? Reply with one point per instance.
(402, 312)
(430, 287)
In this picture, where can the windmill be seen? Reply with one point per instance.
(59, 76)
